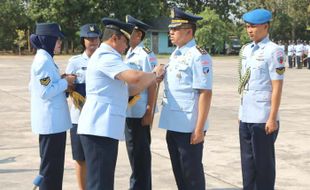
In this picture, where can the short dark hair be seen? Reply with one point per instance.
(109, 32)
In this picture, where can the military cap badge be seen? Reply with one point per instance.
(91, 28)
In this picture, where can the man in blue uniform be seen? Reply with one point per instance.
(90, 40)
(261, 79)
(49, 109)
(186, 102)
(139, 115)
(109, 82)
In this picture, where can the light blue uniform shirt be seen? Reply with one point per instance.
(189, 70)
(104, 111)
(144, 60)
(49, 108)
(266, 62)
(290, 50)
(77, 65)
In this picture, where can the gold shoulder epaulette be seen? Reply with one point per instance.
(202, 50)
(147, 50)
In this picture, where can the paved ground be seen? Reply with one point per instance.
(19, 160)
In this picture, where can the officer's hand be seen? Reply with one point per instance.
(70, 78)
(271, 126)
(197, 137)
(160, 72)
(147, 118)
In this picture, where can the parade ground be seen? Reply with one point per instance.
(19, 147)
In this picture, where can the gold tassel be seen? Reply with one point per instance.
(77, 99)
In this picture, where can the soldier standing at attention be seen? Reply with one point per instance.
(261, 79)
(290, 53)
(90, 40)
(109, 82)
(50, 116)
(139, 115)
(186, 102)
(299, 53)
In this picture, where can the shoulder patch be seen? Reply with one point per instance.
(147, 50)
(202, 50)
(280, 70)
(45, 81)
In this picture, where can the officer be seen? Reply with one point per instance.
(186, 101)
(139, 115)
(49, 109)
(261, 79)
(290, 53)
(305, 52)
(299, 54)
(90, 40)
(102, 120)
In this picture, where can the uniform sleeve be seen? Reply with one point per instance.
(276, 64)
(48, 82)
(202, 72)
(70, 67)
(150, 62)
(112, 66)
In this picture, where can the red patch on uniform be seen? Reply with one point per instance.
(280, 57)
(205, 62)
(152, 59)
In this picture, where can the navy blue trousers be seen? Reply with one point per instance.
(186, 160)
(100, 157)
(52, 153)
(76, 145)
(138, 141)
(257, 156)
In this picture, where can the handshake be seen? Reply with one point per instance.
(160, 71)
(70, 79)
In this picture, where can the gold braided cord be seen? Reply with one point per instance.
(77, 99)
(134, 100)
(243, 80)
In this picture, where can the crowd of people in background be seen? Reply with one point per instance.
(298, 53)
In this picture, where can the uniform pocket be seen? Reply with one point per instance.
(263, 96)
(183, 106)
(184, 74)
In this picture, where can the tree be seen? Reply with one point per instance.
(211, 30)
(21, 40)
(12, 16)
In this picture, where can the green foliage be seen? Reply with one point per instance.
(290, 17)
(21, 40)
(211, 30)
(12, 16)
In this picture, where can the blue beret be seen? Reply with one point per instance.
(89, 31)
(257, 16)
(137, 23)
(178, 17)
(124, 28)
(49, 29)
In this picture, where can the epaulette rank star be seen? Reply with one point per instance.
(147, 50)
(201, 50)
